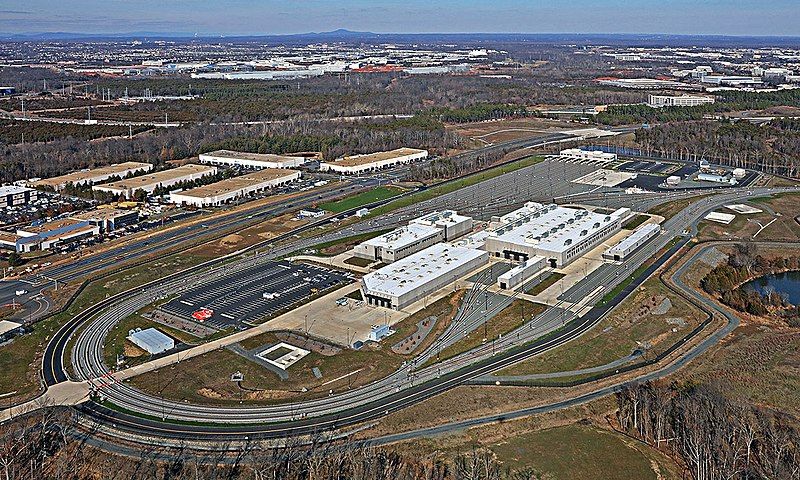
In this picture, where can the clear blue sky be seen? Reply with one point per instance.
(259, 17)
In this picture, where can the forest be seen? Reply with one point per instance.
(772, 148)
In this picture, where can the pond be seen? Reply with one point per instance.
(787, 283)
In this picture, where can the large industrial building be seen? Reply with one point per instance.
(94, 175)
(250, 160)
(232, 188)
(13, 195)
(419, 234)
(355, 164)
(412, 278)
(557, 233)
(658, 101)
(149, 182)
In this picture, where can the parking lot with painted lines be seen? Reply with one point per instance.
(243, 297)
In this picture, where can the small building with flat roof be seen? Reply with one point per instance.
(108, 219)
(453, 224)
(519, 274)
(355, 164)
(151, 181)
(399, 243)
(251, 160)
(94, 175)
(151, 340)
(632, 242)
(230, 189)
(410, 279)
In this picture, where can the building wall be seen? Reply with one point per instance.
(21, 198)
(521, 273)
(367, 167)
(373, 252)
(150, 187)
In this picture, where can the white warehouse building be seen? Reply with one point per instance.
(557, 233)
(250, 160)
(408, 280)
(399, 243)
(419, 234)
(632, 242)
(230, 189)
(355, 164)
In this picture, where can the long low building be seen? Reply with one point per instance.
(658, 101)
(354, 164)
(591, 155)
(251, 160)
(632, 242)
(94, 175)
(165, 178)
(232, 188)
(408, 280)
(53, 234)
(151, 340)
(419, 234)
(14, 195)
(557, 233)
(520, 274)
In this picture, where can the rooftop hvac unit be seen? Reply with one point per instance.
(596, 224)
(568, 241)
(584, 232)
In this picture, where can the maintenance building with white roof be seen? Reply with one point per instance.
(355, 164)
(632, 242)
(453, 224)
(557, 233)
(399, 243)
(405, 281)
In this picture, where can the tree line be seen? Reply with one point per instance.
(715, 437)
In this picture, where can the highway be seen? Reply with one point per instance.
(400, 389)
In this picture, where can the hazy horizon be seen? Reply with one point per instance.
(270, 17)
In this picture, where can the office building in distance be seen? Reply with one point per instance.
(640, 83)
(410, 279)
(559, 234)
(356, 164)
(419, 234)
(94, 175)
(659, 101)
(632, 242)
(232, 188)
(589, 155)
(14, 195)
(148, 183)
(250, 160)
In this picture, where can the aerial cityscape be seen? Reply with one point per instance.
(400, 240)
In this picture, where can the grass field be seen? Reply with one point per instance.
(635, 222)
(632, 324)
(363, 198)
(507, 320)
(206, 379)
(20, 360)
(575, 451)
(670, 209)
(335, 247)
(546, 283)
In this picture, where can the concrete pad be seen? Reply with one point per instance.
(336, 261)
(64, 394)
(719, 217)
(7, 326)
(604, 178)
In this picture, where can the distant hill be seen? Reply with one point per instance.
(344, 35)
